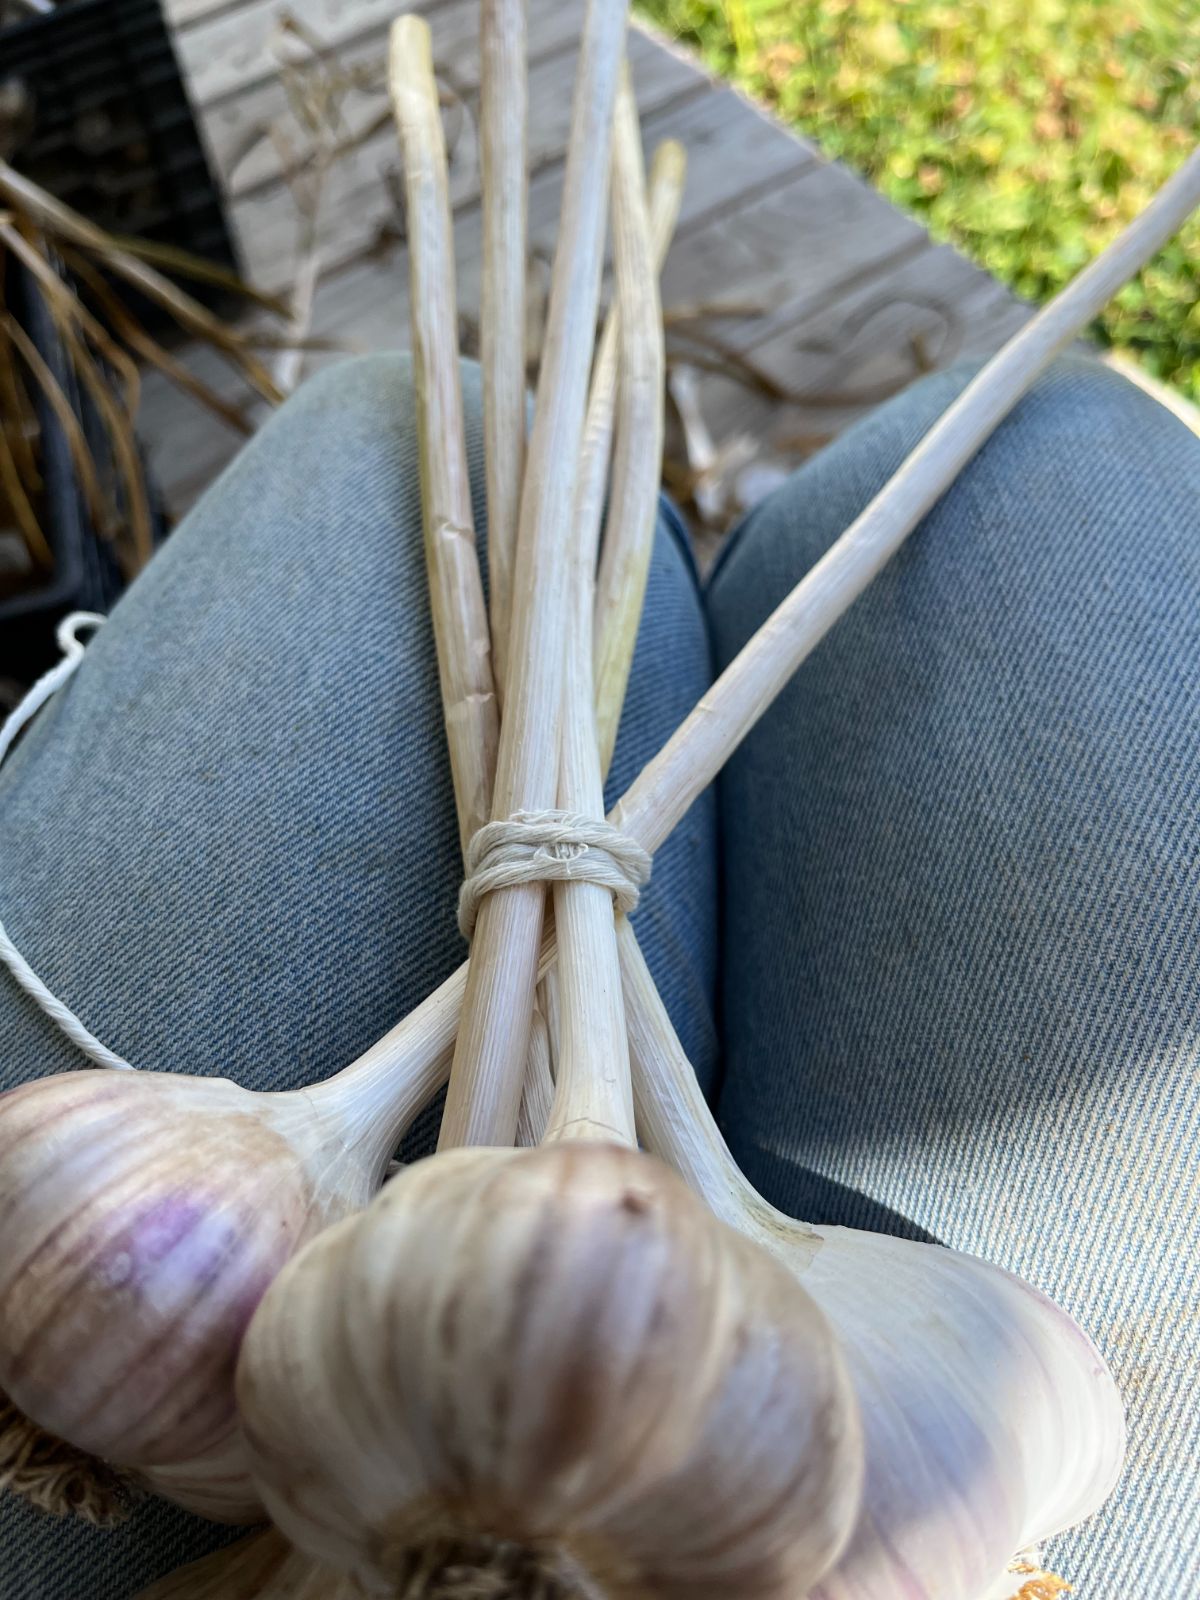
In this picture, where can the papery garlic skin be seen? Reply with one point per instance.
(558, 1348)
(142, 1217)
(990, 1419)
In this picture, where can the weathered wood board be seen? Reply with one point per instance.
(850, 298)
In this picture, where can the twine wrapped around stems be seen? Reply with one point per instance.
(551, 847)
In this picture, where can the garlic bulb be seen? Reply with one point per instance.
(990, 1420)
(142, 1215)
(558, 1354)
(261, 1567)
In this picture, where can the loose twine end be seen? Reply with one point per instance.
(55, 1477)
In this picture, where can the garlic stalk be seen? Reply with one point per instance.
(990, 1420)
(484, 1094)
(504, 194)
(595, 1091)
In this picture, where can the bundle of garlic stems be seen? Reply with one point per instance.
(711, 1343)
(565, 1366)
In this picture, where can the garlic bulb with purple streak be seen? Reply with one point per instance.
(142, 1217)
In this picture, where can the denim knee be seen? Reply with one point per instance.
(962, 911)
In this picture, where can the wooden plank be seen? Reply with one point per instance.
(235, 127)
(841, 360)
(719, 120)
(363, 202)
(854, 296)
(799, 246)
(366, 302)
(237, 50)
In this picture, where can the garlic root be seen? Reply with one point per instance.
(57, 1478)
(266, 1567)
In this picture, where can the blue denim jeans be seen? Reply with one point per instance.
(931, 943)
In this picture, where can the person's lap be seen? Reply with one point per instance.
(957, 977)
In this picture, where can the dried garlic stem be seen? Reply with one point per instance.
(485, 1083)
(460, 622)
(594, 1096)
(418, 1048)
(667, 171)
(697, 751)
(538, 1095)
(666, 190)
(503, 109)
(637, 471)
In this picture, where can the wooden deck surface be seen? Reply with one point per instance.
(850, 298)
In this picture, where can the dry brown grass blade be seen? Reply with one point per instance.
(62, 223)
(688, 311)
(100, 508)
(268, 339)
(127, 327)
(68, 311)
(14, 407)
(183, 264)
(19, 422)
(22, 507)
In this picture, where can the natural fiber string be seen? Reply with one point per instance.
(551, 847)
(61, 1015)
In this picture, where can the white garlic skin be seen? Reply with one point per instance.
(142, 1217)
(563, 1349)
(990, 1420)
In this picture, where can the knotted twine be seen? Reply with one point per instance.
(551, 847)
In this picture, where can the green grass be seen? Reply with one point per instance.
(1027, 132)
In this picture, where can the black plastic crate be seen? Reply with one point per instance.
(113, 132)
(86, 574)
